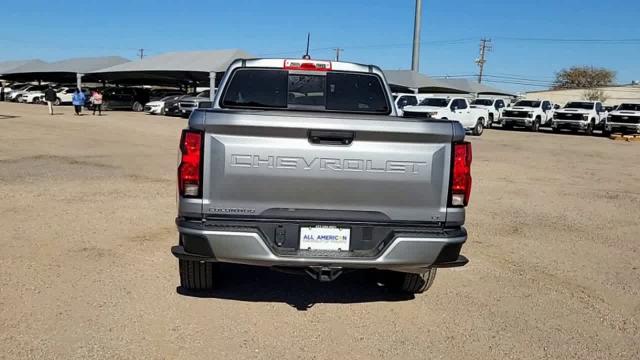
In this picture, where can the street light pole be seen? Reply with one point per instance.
(415, 58)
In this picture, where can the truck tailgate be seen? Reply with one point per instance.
(289, 165)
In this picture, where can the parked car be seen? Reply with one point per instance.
(472, 119)
(157, 94)
(530, 114)
(123, 98)
(33, 94)
(626, 119)
(12, 89)
(64, 94)
(158, 107)
(403, 100)
(275, 180)
(16, 95)
(493, 106)
(579, 115)
(189, 103)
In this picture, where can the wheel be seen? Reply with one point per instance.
(196, 275)
(535, 127)
(36, 100)
(605, 132)
(589, 130)
(411, 283)
(479, 128)
(137, 107)
(506, 126)
(57, 102)
(555, 130)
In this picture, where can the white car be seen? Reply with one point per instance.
(493, 106)
(626, 118)
(530, 114)
(579, 115)
(64, 95)
(403, 100)
(16, 95)
(157, 107)
(32, 97)
(472, 119)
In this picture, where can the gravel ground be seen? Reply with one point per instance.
(87, 207)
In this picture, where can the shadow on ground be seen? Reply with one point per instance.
(6, 117)
(256, 284)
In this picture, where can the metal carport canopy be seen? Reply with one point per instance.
(172, 68)
(413, 80)
(8, 66)
(61, 71)
(474, 87)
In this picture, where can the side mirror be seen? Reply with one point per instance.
(454, 108)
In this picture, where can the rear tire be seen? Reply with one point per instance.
(412, 283)
(196, 275)
(137, 107)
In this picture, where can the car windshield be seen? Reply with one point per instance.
(435, 102)
(629, 107)
(528, 103)
(485, 102)
(579, 105)
(331, 91)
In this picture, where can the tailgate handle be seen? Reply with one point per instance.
(328, 137)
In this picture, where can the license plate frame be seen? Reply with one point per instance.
(325, 238)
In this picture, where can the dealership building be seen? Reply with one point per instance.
(614, 95)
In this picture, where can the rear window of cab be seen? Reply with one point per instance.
(326, 91)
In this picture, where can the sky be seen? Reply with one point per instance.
(531, 40)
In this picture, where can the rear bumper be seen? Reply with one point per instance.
(245, 244)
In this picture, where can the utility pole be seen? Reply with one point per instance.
(338, 50)
(417, 24)
(141, 53)
(485, 46)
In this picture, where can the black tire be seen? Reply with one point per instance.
(589, 130)
(36, 100)
(479, 128)
(137, 107)
(57, 102)
(555, 130)
(535, 127)
(412, 283)
(195, 275)
(507, 126)
(606, 133)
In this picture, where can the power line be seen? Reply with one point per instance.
(568, 40)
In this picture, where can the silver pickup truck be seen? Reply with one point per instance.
(304, 165)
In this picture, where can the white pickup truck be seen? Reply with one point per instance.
(493, 106)
(530, 114)
(579, 115)
(626, 118)
(458, 109)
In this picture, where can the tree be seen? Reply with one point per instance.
(595, 95)
(583, 77)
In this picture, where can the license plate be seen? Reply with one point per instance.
(325, 238)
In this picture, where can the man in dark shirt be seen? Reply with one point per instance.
(50, 97)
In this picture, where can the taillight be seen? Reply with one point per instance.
(309, 65)
(461, 174)
(189, 171)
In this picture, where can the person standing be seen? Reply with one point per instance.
(78, 100)
(96, 100)
(50, 96)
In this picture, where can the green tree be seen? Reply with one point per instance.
(583, 77)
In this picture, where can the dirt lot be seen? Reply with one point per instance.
(87, 207)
